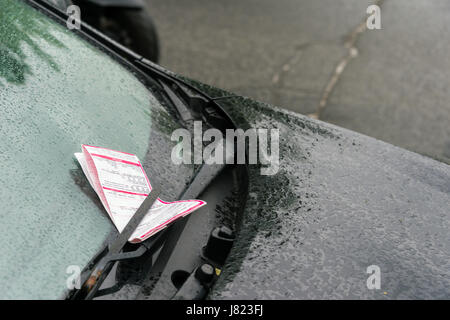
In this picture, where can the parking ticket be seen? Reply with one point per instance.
(120, 182)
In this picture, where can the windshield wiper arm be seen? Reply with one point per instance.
(97, 276)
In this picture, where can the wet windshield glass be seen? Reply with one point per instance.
(57, 92)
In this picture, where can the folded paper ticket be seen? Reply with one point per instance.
(122, 185)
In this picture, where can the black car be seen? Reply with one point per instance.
(340, 208)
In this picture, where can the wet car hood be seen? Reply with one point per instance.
(340, 203)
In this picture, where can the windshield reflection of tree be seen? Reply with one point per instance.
(19, 26)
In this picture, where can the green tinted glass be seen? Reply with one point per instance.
(57, 92)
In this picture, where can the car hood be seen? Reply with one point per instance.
(340, 202)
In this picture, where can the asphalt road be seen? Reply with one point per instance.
(395, 83)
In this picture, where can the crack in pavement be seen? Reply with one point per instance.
(278, 77)
(352, 53)
(291, 61)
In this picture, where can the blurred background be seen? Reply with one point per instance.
(316, 58)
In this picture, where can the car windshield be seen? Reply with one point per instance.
(57, 92)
